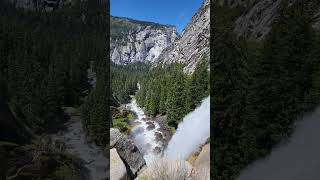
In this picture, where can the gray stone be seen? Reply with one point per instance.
(151, 127)
(166, 169)
(128, 151)
(259, 17)
(193, 46)
(143, 41)
(118, 170)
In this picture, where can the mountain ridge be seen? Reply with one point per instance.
(135, 40)
(193, 46)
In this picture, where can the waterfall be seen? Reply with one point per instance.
(192, 132)
(295, 160)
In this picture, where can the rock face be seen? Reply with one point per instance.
(258, 17)
(258, 21)
(202, 163)
(128, 152)
(193, 46)
(167, 169)
(117, 168)
(133, 40)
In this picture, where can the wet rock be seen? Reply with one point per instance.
(159, 136)
(151, 127)
(128, 151)
(149, 122)
(157, 150)
(118, 170)
(144, 119)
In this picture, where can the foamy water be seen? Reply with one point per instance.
(146, 140)
(192, 132)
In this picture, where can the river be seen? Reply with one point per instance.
(145, 133)
(77, 144)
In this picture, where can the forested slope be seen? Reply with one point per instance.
(260, 87)
(44, 62)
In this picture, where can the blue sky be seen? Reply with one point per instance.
(174, 12)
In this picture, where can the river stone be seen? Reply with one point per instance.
(118, 170)
(157, 150)
(159, 136)
(149, 122)
(151, 127)
(128, 151)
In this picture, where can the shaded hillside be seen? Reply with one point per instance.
(40, 71)
(260, 87)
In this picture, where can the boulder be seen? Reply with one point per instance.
(202, 163)
(149, 122)
(115, 136)
(128, 151)
(166, 169)
(159, 136)
(151, 127)
(118, 170)
(157, 150)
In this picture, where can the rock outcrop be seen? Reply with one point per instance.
(118, 170)
(167, 169)
(201, 165)
(128, 152)
(133, 40)
(256, 20)
(193, 46)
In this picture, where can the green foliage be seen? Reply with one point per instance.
(260, 89)
(163, 90)
(169, 91)
(41, 69)
(121, 118)
(40, 159)
(125, 78)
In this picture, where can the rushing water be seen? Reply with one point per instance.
(145, 139)
(192, 132)
(77, 144)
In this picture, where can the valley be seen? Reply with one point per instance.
(158, 78)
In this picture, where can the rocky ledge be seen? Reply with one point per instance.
(128, 152)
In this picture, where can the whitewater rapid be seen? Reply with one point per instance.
(77, 144)
(145, 139)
